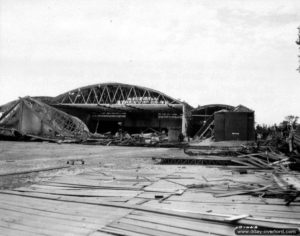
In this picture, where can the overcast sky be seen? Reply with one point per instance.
(203, 52)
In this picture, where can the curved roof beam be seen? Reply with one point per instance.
(223, 106)
(114, 93)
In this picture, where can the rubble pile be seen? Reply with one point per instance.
(153, 138)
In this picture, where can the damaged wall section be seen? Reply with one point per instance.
(114, 107)
(109, 107)
(30, 117)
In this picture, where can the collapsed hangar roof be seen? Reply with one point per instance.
(33, 118)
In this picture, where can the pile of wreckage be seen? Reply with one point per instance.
(31, 119)
(245, 159)
(247, 155)
(148, 137)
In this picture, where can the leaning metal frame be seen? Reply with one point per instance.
(62, 123)
(114, 93)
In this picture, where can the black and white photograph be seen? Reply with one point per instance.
(155, 118)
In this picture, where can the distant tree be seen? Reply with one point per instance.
(292, 121)
(263, 130)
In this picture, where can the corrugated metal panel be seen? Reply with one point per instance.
(234, 126)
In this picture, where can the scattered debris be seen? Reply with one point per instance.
(235, 218)
(290, 184)
(158, 196)
(76, 161)
(34, 170)
(251, 161)
(177, 193)
(122, 138)
(243, 192)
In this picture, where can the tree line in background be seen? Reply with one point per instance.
(280, 135)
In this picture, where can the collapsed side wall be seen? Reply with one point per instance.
(31, 124)
(32, 117)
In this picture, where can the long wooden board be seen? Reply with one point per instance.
(199, 216)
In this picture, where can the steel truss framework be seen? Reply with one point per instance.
(62, 123)
(115, 94)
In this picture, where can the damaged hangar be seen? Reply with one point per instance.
(109, 107)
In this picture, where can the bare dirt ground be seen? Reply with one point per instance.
(27, 156)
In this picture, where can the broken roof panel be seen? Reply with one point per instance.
(31, 117)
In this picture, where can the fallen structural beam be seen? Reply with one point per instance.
(242, 192)
(34, 170)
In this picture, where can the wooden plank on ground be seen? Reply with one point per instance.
(242, 192)
(114, 231)
(196, 225)
(8, 231)
(198, 216)
(80, 183)
(226, 209)
(164, 186)
(63, 214)
(58, 218)
(84, 192)
(264, 163)
(92, 213)
(100, 233)
(255, 163)
(161, 227)
(235, 218)
(241, 162)
(15, 225)
(39, 223)
(141, 230)
(34, 170)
